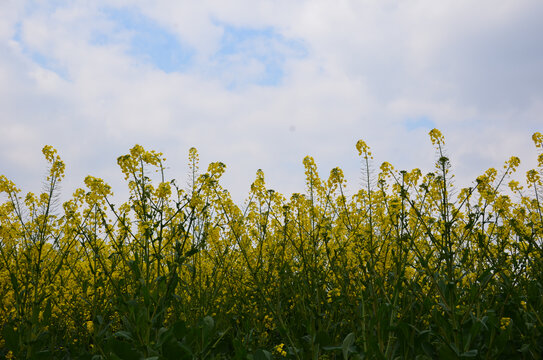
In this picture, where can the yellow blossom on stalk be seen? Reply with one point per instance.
(512, 164)
(98, 186)
(163, 190)
(515, 186)
(436, 137)
(363, 148)
(538, 139)
(7, 186)
(268, 322)
(505, 322)
(469, 279)
(336, 178)
(57, 165)
(334, 293)
(502, 203)
(90, 326)
(216, 169)
(386, 168)
(30, 200)
(137, 150)
(491, 174)
(413, 176)
(280, 349)
(533, 177)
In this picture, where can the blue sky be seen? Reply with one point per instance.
(262, 84)
(148, 41)
(421, 122)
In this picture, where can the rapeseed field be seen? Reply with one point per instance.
(409, 267)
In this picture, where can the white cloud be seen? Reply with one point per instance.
(364, 69)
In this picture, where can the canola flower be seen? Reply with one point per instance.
(280, 350)
(505, 322)
(409, 265)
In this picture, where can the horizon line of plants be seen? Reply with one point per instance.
(410, 266)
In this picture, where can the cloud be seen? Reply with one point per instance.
(262, 84)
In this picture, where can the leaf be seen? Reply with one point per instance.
(331, 348)
(470, 354)
(123, 349)
(164, 335)
(43, 354)
(208, 323)
(524, 348)
(262, 355)
(428, 349)
(174, 350)
(123, 335)
(347, 343)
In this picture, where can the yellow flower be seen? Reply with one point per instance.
(334, 293)
(533, 177)
(90, 326)
(363, 148)
(268, 322)
(280, 349)
(538, 139)
(504, 322)
(436, 137)
(164, 190)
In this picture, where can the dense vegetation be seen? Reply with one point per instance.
(408, 267)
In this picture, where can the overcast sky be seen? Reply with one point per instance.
(261, 84)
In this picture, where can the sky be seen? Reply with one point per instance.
(260, 84)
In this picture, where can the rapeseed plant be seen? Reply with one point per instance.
(409, 266)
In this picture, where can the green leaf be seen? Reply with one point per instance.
(262, 355)
(469, 354)
(347, 343)
(43, 354)
(428, 349)
(123, 335)
(175, 350)
(209, 323)
(164, 335)
(331, 348)
(123, 349)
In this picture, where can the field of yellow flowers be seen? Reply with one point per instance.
(409, 267)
